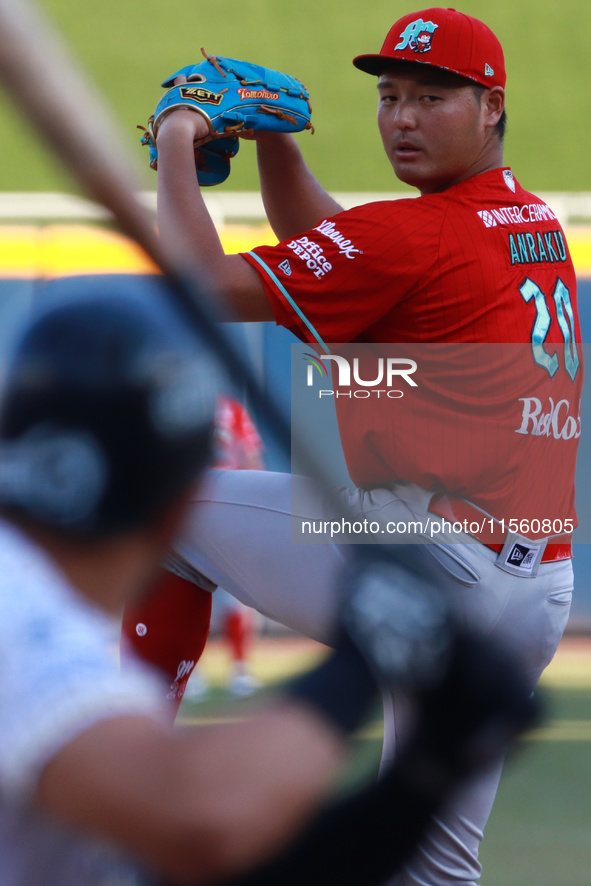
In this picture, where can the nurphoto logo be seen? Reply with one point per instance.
(347, 376)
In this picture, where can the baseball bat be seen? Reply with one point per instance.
(50, 88)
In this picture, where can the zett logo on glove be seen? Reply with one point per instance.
(201, 95)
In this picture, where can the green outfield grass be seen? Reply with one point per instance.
(539, 832)
(129, 46)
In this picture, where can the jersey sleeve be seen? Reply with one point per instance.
(336, 281)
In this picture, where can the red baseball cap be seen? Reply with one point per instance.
(442, 38)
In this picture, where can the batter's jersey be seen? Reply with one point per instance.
(476, 284)
(60, 676)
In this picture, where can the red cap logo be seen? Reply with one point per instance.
(417, 36)
(442, 38)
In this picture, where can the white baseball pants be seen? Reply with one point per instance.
(240, 534)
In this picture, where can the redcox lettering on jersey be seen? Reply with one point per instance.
(310, 253)
(556, 421)
(346, 247)
(516, 215)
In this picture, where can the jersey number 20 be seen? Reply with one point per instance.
(566, 321)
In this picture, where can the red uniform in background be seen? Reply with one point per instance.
(170, 626)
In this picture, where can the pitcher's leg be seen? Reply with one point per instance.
(530, 615)
(449, 852)
(239, 534)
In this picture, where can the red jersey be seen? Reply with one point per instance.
(482, 264)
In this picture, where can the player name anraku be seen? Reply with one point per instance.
(540, 246)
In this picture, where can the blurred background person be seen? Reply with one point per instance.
(238, 446)
(169, 628)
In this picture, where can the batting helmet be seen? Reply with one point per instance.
(107, 409)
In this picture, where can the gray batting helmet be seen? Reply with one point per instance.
(107, 409)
